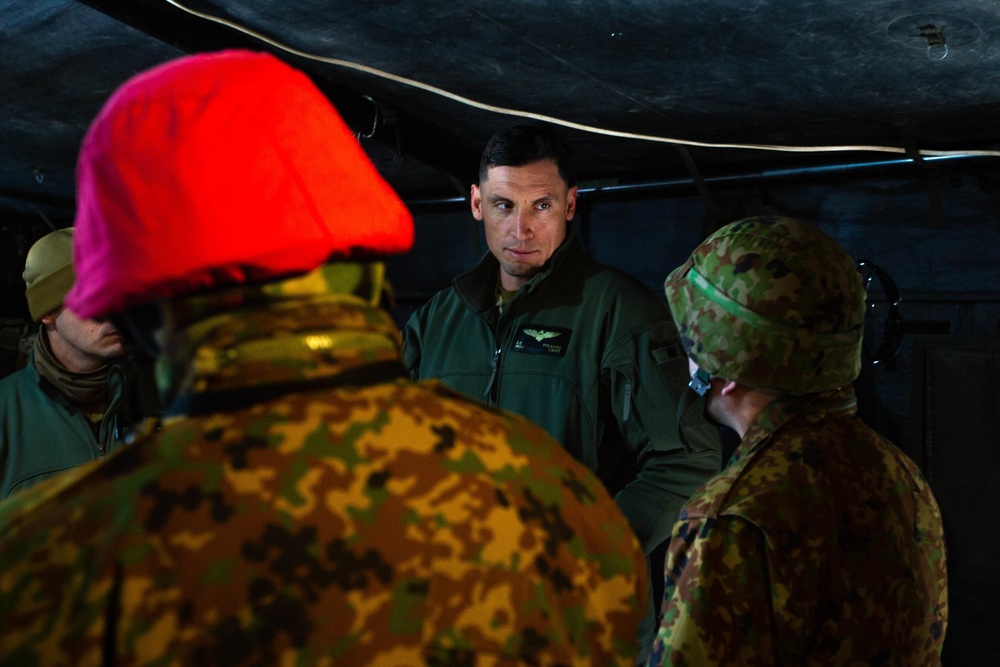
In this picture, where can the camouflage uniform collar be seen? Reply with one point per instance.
(811, 407)
(362, 281)
(290, 344)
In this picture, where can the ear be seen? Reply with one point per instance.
(570, 203)
(476, 202)
(49, 319)
(728, 387)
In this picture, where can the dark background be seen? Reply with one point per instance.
(819, 79)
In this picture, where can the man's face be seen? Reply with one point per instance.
(524, 211)
(82, 345)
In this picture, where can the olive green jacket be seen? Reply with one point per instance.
(42, 434)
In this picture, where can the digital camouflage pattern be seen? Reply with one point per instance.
(306, 505)
(771, 303)
(820, 544)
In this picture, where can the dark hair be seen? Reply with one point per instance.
(525, 144)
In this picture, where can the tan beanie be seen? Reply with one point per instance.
(48, 272)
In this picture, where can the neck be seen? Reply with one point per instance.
(265, 342)
(87, 390)
(504, 288)
(510, 283)
(744, 404)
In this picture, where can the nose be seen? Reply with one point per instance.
(522, 226)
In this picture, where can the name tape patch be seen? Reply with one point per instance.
(534, 339)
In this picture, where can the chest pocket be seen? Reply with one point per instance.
(538, 339)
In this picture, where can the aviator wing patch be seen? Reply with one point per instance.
(536, 339)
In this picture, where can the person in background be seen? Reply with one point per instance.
(304, 503)
(586, 351)
(70, 404)
(820, 543)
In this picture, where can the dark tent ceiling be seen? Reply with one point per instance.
(425, 82)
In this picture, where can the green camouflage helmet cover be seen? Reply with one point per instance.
(771, 303)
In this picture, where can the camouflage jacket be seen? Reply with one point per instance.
(820, 544)
(304, 504)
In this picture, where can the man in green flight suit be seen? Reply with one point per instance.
(585, 350)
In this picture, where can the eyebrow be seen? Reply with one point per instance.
(498, 197)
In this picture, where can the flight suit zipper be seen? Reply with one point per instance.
(494, 366)
(628, 399)
(503, 316)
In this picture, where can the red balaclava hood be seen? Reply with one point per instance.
(219, 169)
